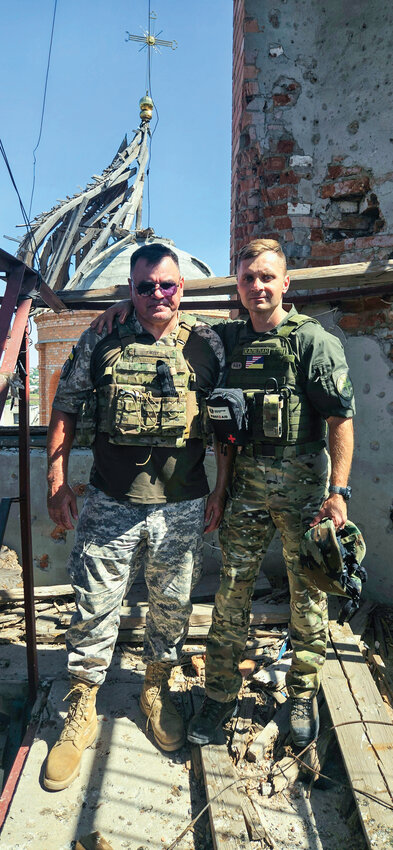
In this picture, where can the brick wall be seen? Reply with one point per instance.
(56, 336)
(303, 172)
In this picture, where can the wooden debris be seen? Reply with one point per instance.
(285, 773)
(384, 683)
(278, 727)
(242, 727)
(366, 739)
(198, 664)
(51, 627)
(273, 676)
(229, 809)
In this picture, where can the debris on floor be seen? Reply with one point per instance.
(251, 789)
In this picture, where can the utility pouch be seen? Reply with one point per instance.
(272, 414)
(228, 416)
(86, 422)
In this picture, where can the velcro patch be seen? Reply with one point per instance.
(343, 384)
(218, 412)
(255, 361)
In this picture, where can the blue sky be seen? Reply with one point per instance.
(96, 79)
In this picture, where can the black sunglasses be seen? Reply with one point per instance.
(146, 287)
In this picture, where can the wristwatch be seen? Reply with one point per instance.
(345, 492)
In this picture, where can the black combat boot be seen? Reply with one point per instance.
(303, 720)
(205, 724)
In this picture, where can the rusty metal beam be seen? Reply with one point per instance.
(25, 517)
(9, 302)
(12, 350)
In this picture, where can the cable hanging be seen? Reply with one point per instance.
(43, 106)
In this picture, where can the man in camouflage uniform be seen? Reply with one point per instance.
(145, 500)
(295, 378)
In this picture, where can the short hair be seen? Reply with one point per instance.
(153, 254)
(259, 246)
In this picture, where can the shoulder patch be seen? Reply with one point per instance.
(69, 364)
(343, 384)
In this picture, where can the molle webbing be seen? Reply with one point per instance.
(149, 396)
(267, 369)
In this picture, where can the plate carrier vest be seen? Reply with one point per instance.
(268, 373)
(148, 396)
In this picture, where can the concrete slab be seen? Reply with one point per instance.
(135, 795)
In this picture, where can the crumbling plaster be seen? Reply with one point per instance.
(320, 75)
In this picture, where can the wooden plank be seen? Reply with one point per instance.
(277, 727)
(122, 213)
(227, 821)
(210, 582)
(49, 592)
(368, 700)
(42, 228)
(360, 758)
(63, 250)
(261, 612)
(242, 728)
(273, 676)
(343, 276)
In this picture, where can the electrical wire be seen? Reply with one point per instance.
(24, 213)
(43, 106)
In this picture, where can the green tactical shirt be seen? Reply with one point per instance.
(142, 474)
(322, 363)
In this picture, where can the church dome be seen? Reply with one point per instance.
(112, 266)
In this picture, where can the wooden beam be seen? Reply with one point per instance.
(348, 275)
(366, 739)
(43, 227)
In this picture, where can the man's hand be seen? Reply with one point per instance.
(62, 506)
(122, 310)
(334, 508)
(214, 510)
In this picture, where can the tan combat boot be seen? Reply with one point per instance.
(156, 704)
(80, 730)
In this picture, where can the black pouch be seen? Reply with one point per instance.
(227, 412)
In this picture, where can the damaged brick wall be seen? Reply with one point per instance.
(307, 124)
(312, 167)
(56, 337)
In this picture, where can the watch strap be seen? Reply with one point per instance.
(345, 492)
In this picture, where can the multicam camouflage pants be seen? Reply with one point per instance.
(268, 493)
(113, 539)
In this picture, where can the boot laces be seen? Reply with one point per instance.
(158, 684)
(79, 697)
(301, 708)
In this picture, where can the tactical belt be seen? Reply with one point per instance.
(269, 450)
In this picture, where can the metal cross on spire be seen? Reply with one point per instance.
(150, 40)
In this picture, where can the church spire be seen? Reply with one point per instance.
(69, 238)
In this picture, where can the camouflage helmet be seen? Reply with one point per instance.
(331, 561)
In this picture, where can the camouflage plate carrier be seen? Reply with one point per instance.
(147, 397)
(267, 372)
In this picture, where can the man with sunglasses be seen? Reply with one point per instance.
(295, 378)
(137, 394)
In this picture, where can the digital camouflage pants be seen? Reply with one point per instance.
(113, 539)
(268, 493)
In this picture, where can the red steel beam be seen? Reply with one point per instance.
(9, 301)
(12, 350)
(25, 518)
